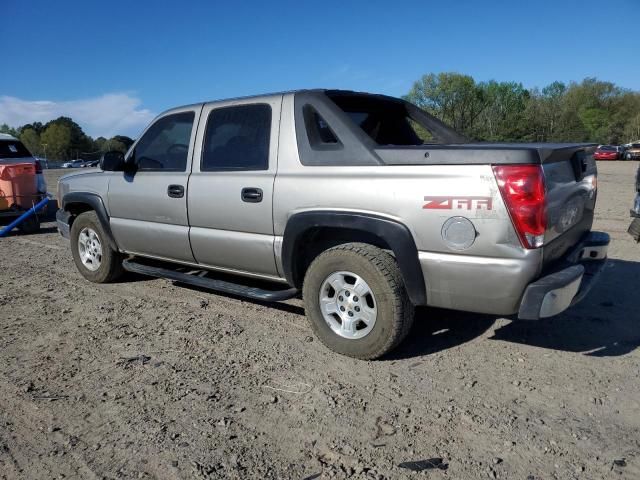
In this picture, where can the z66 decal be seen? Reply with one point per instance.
(463, 203)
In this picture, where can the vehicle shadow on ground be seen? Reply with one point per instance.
(605, 324)
(17, 233)
(436, 329)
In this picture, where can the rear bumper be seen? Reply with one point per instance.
(570, 283)
(62, 221)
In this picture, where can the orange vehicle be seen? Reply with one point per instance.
(19, 192)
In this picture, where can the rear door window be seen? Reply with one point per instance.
(237, 138)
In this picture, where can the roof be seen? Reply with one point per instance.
(6, 136)
(263, 96)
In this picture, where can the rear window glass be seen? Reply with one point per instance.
(608, 148)
(318, 130)
(386, 122)
(237, 138)
(13, 149)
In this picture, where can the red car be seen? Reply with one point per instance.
(606, 152)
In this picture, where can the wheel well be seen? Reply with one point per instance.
(76, 209)
(316, 240)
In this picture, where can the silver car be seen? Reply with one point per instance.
(364, 204)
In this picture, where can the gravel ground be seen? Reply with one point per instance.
(145, 379)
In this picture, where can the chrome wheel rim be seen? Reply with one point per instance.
(348, 305)
(90, 249)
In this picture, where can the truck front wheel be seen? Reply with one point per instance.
(94, 258)
(356, 300)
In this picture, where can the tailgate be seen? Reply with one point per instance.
(570, 179)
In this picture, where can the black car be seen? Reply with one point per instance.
(634, 228)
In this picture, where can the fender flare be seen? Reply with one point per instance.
(393, 233)
(97, 205)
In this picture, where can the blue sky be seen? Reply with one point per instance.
(112, 65)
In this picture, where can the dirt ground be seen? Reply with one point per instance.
(146, 379)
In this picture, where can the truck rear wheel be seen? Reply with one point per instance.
(356, 300)
(94, 258)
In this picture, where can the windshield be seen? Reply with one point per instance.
(607, 148)
(13, 149)
(389, 121)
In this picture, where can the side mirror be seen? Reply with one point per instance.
(112, 161)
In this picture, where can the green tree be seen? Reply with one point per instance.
(57, 137)
(30, 138)
(454, 98)
(503, 118)
(632, 129)
(126, 141)
(4, 128)
(78, 141)
(116, 145)
(101, 144)
(38, 127)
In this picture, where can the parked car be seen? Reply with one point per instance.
(74, 164)
(91, 163)
(364, 203)
(634, 228)
(13, 150)
(632, 151)
(606, 152)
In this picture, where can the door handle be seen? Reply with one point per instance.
(175, 191)
(251, 195)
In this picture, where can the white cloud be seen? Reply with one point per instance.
(106, 115)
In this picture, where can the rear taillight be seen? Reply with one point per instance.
(523, 191)
(38, 166)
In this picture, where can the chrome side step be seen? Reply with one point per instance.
(199, 280)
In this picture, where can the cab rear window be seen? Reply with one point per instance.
(13, 149)
(385, 121)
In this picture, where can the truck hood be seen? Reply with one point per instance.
(80, 172)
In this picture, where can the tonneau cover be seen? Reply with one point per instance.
(481, 153)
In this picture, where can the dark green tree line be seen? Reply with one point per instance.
(588, 111)
(64, 139)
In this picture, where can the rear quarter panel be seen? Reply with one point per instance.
(397, 192)
(489, 276)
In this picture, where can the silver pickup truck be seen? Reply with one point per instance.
(364, 203)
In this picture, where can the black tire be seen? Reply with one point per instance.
(380, 271)
(30, 225)
(111, 262)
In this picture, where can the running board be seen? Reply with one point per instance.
(210, 283)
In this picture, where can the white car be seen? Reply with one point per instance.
(74, 164)
(12, 150)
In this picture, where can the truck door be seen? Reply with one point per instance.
(148, 203)
(231, 186)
